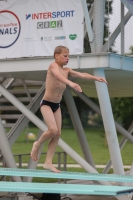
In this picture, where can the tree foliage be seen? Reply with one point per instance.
(123, 110)
(123, 107)
(131, 48)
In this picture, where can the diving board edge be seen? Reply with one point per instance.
(64, 188)
(65, 175)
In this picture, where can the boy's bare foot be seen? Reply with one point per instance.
(51, 167)
(34, 151)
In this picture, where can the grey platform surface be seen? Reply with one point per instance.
(65, 175)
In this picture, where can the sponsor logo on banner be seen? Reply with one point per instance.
(72, 36)
(39, 25)
(50, 24)
(60, 38)
(49, 15)
(28, 16)
(130, 1)
(46, 38)
(10, 28)
(30, 39)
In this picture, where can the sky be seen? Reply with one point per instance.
(114, 21)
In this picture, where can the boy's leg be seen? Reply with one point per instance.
(50, 133)
(53, 143)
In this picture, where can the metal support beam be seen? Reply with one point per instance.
(117, 31)
(27, 91)
(87, 21)
(7, 83)
(6, 151)
(91, 17)
(109, 126)
(130, 184)
(78, 126)
(121, 144)
(131, 173)
(124, 132)
(108, 122)
(122, 30)
(98, 25)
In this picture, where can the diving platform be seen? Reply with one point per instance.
(118, 71)
(105, 190)
(64, 188)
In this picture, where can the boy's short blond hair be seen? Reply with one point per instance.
(59, 49)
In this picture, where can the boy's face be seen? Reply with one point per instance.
(63, 57)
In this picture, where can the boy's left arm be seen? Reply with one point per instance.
(86, 76)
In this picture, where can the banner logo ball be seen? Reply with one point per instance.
(10, 29)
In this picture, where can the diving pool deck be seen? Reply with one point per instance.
(118, 71)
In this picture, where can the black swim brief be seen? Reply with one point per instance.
(53, 106)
